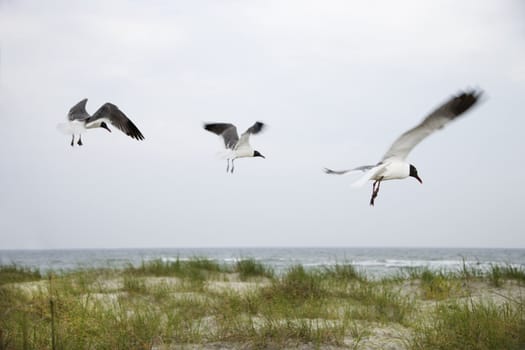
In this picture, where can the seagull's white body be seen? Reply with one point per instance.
(238, 153)
(79, 127)
(393, 165)
(72, 127)
(394, 169)
(232, 154)
(243, 149)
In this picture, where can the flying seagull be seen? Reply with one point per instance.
(393, 165)
(237, 147)
(80, 121)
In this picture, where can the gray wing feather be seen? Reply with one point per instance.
(118, 119)
(450, 110)
(245, 137)
(226, 130)
(255, 128)
(78, 111)
(341, 172)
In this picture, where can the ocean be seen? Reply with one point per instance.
(371, 261)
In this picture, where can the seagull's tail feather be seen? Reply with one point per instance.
(362, 180)
(65, 128)
(371, 173)
(342, 172)
(225, 154)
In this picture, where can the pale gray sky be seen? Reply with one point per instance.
(336, 81)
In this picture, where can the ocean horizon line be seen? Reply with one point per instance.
(262, 247)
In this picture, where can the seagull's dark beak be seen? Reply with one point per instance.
(257, 154)
(105, 126)
(414, 174)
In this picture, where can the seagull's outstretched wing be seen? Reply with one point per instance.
(226, 130)
(110, 112)
(78, 111)
(341, 172)
(436, 120)
(256, 128)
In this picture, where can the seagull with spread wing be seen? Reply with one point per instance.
(79, 121)
(237, 147)
(393, 165)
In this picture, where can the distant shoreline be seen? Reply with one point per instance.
(372, 261)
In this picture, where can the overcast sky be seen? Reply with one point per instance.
(336, 82)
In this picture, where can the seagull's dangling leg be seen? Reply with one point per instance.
(72, 140)
(233, 167)
(227, 165)
(374, 193)
(375, 190)
(79, 140)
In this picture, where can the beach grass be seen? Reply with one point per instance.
(13, 273)
(474, 325)
(499, 273)
(172, 304)
(250, 268)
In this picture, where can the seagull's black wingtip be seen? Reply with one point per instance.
(465, 100)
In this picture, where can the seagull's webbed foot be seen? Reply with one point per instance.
(80, 141)
(233, 166)
(72, 140)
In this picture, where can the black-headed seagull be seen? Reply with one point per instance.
(393, 165)
(237, 147)
(79, 121)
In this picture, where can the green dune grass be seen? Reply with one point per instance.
(168, 305)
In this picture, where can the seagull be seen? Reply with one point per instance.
(237, 147)
(80, 121)
(393, 164)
